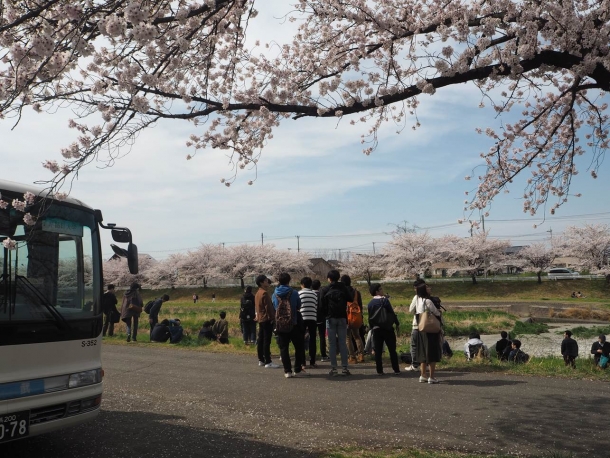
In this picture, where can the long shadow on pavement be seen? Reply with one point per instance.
(144, 435)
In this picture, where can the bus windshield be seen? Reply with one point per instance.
(49, 287)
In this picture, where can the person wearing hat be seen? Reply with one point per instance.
(569, 349)
(264, 315)
(599, 348)
(131, 308)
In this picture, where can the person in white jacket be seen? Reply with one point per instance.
(429, 349)
(478, 347)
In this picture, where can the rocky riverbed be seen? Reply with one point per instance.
(546, 344)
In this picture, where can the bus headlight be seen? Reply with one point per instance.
(85, 378)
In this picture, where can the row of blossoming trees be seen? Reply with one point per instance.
(407, 255)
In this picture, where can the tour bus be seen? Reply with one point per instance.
(50, 310)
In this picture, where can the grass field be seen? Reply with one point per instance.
(458, 322)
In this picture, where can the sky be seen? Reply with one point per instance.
(313, 181)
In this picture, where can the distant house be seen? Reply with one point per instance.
(115, 256)
(320, 268)
(336, 264)
(512, 252)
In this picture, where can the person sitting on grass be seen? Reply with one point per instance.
(517, 355)
(475, 347)
(599, 349)
(502, 345)
(221, 329)
(206, 330)
(160, 332)
(569, 349)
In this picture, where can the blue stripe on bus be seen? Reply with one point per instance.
(21, 389)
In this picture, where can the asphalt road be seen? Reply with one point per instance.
(164, 402)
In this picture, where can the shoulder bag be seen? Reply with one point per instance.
(382, 317)
(428, 322)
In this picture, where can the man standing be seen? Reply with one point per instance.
(333, 300)
(109, 302)
(293, 333)
(153, 318)
(309, 309)
(265, 314)
(354, 333)
(569, 349)
(320, 321)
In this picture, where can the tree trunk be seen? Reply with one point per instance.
(539, 276)
(241, 280)
(205, 283)
(368, 281)
(474, 279)
(608, 278)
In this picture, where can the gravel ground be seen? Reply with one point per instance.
(546, 344)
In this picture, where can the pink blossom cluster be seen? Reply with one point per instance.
(372, 62)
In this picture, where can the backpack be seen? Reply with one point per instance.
(354, 313)
(283, 314)
(475, 351)
(246, 313)
(521, 357)
(148, 306)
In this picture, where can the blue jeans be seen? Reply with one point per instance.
(337, 329)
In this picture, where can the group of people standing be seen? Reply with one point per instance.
(297, 317)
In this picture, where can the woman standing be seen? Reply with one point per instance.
(381, 325)
(429, 350)
(246, 315)
(131, 309)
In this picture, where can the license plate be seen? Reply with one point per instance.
(14, 425)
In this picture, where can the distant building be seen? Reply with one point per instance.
(320, 268)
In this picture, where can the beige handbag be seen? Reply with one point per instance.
(428, 322)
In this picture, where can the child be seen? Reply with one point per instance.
(517, 356)
(569, 349)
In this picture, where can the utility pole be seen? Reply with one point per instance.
(298, 243)
(223, 245)
(373, 248)
(550, 231)
(483, 222)
(262, 242)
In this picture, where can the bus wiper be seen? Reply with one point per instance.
(59, 319)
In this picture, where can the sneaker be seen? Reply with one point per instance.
(333, 372)
(397, 373)
(288, 374)
(271, 366)
(313, 366)
(360, 358)
(261, 364)
(128, 338)
(432, 381)
(411, 368)
(345, 371)
(351, 360)
(324, 359)
(134, 339)
(422, 379)
(380, 373)
(300, 374)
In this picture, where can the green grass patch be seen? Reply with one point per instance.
(584, 332)
(529, 328)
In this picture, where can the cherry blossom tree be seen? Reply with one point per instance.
(294, 263)
(364, 266)
(123, 65)
(165, 273)
(409, 254)
(590, 244)
(243, 261)
(470, 255)
(203, 264)
(537, 258)
(116, 271)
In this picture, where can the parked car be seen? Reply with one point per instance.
(563, 274)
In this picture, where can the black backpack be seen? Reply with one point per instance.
(148, 306)
(246, 313)
(475, 350)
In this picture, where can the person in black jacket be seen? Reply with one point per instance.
(153, 318)
(333, 300)
(599, 348)
(246, 317)
(502, 345)
(109, 302)
(569, 349)
(383, 332)
(160, 332)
